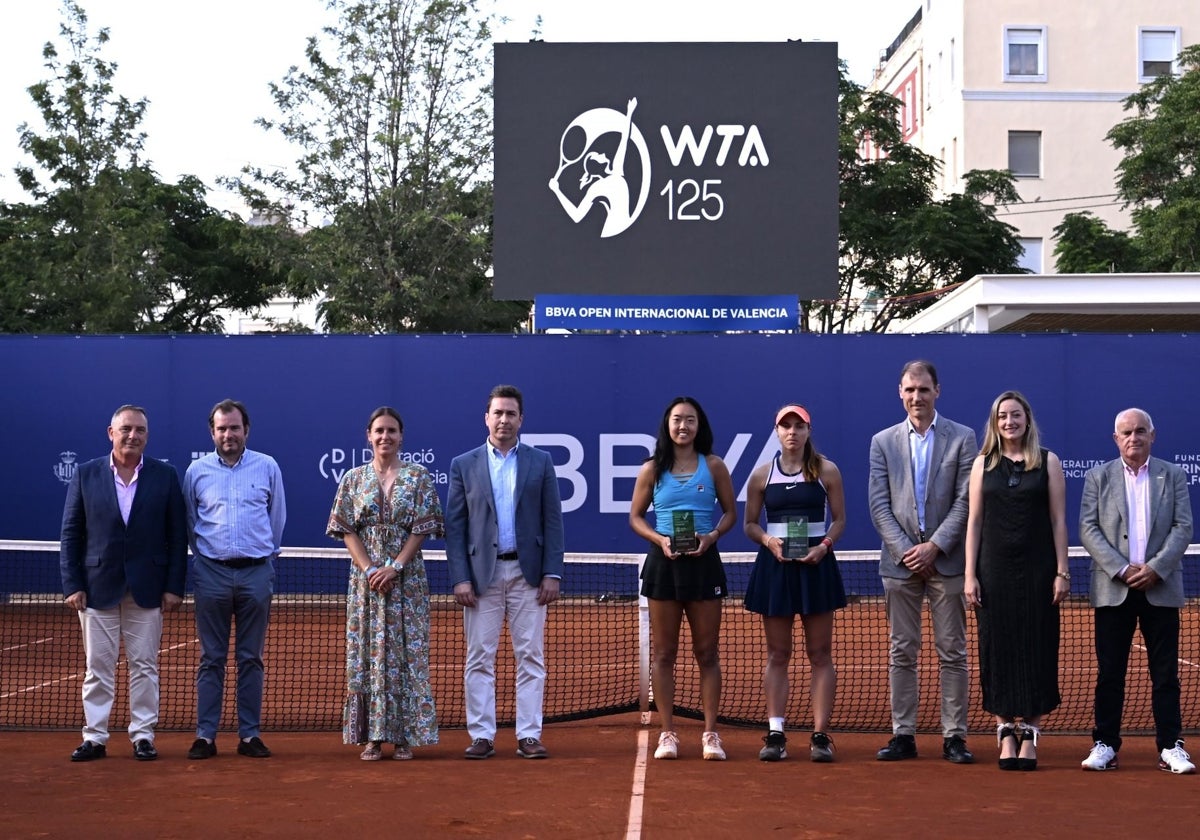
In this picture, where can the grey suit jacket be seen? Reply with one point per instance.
(472, 532)
(1103, 530)
(891, 493)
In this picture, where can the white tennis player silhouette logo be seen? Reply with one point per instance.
(602, 180)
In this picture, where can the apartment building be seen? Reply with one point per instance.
(1032, 86)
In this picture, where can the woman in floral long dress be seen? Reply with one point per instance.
(383, 511)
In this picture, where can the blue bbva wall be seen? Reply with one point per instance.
(594, 402)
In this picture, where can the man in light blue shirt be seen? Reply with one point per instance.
(504, 548)
(236, 513)
(917, 491)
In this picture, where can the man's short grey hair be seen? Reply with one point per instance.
(128, 407)
(1141, 411)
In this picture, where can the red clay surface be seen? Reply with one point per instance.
(317, 787)
(592, 659)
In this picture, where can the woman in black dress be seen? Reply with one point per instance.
(1016, 575)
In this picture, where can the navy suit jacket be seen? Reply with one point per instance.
(102, 556)
(472, 532)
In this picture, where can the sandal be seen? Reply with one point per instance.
(1029, 732)
(402, 753)
(373, 752)
(1007, 730)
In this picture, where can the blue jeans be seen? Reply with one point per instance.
(225, 596)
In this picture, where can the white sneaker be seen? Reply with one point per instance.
(668, 746)
(1103, 757)
(1176, 760)
(713, 751)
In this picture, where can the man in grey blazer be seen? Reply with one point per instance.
(504, 545)
(918, 497)
(1135, 520)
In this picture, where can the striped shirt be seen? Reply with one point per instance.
(235, 512)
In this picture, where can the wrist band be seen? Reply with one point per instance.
(828, 543)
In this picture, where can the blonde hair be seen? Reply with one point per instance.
(1031, 445)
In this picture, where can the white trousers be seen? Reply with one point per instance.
(103, 631)
(508, 596)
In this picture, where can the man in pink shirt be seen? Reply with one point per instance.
(1135, 521)
(123, 559)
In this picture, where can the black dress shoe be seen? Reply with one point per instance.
(89, 751)
(955, 749)
(899, 748)
(143, 750)
(254, 748)
(202, 749)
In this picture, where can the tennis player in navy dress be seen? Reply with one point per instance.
(796, 573)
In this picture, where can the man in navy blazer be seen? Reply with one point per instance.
(1135, 520)
(917, 490)
(123, 558)
(504, 544)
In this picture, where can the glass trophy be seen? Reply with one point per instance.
(683, 532)
(795, 543)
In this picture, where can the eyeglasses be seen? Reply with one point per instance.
(1014, 478)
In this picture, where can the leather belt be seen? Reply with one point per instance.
(508, 555)
(239, 562)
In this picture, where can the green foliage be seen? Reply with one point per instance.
(1084, 244)
(1159, 177)
(898, 244)
(105, 246)
(392, 121)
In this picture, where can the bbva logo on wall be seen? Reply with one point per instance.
(666, 169)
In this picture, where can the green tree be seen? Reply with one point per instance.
(1159, 175)
(392, 120)
(1084, 244)
(899, 245)
(104, 245)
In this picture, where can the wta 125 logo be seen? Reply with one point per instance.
(604, 161)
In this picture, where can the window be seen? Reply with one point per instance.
(1031, 255)
(1024, 53)
(1025, 154)
(1158, 51)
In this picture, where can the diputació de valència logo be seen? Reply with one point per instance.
(595, 167)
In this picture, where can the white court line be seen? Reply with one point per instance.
(72, 677)
(24, 645)
(633, 828)
(45, 684)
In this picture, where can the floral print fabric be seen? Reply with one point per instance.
(388, 695)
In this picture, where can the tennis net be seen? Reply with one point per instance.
(597, 649)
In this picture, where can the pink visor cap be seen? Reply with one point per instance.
(799, 410)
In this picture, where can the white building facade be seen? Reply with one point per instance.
(1033, 87)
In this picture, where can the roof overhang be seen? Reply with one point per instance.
(1065, 303)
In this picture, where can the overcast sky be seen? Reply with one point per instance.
(205, 67)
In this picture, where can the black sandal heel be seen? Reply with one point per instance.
(1029, 732)
(1007, 730)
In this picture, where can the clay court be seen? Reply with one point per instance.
(599, 781)
(316, 787)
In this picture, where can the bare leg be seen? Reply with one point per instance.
(665, 620)
(778, 632)
(818, 644)
(704, 619)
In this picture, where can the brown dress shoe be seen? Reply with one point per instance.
(531, 748)
(480, 748)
